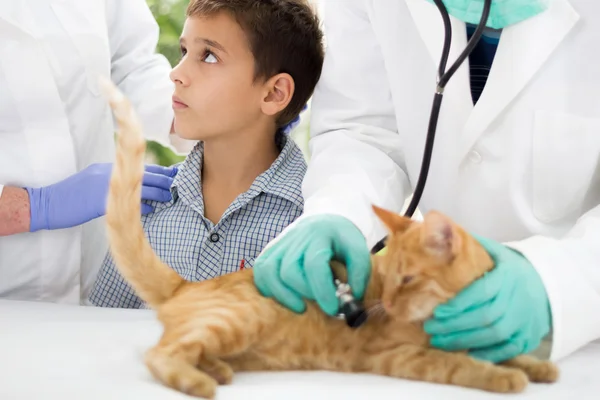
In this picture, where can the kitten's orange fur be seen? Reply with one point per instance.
(215, 327)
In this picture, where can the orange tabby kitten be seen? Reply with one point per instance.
(215, 327)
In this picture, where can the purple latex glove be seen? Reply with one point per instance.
(286, 129)
(82, 197)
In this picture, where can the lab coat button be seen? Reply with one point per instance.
(214, 237)
(475, 157)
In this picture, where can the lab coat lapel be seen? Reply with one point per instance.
(522, 51)
(457, 103)
(431, 28)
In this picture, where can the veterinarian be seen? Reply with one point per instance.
(515, 161)
(56, 135)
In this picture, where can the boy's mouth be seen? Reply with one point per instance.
(178, 104)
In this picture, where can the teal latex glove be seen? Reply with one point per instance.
(501, 315)
(297, 266)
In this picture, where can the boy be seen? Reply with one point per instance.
(247, 69)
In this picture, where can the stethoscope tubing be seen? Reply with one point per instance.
(442, 80)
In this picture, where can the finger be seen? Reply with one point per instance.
(262, 266)
(160, 170)
(147, 209)
(358, 263)
(157, 180)
(478, 338)
(498, 353)
(266, 279)
(292, 271)
(496, 250)
(317, 268)
(479, 292)
(285, 295)
(293, 275)
(359, 272)
(483, 315)
(468, 320)
(156, 194)
(534, 336)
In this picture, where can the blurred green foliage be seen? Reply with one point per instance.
(170, 15)
(161, 155)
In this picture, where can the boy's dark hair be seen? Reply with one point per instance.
(284, 37)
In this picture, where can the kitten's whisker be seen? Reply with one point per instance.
(376, 311)
(381, 313)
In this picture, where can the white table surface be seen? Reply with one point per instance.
(50, 351)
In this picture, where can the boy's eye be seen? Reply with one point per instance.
(209, 57)
(182, 50)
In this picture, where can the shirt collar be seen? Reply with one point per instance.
(283, 178)
(187, 186)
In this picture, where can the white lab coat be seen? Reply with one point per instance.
(54, 122)
(520, 167)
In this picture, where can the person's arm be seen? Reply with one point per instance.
(14, 210)
(570, 270)
(548, 285)
(73, 201)
(137, 69)
(356, 161)
(356, 152)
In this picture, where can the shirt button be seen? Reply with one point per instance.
(475, 157)
(214, 237)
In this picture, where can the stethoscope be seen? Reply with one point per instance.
(352, 309)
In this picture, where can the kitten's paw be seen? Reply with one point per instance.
(176, 373)
(224, 377)
(542, 372)
(218, 369)
(506, 380)
(537, 370)
(204, 387)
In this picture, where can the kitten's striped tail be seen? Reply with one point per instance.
(153, 281)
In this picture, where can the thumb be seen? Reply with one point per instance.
(159, 169)
(147, 209)
(497, 251)
(357, 259)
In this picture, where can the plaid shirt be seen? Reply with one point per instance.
(196, 248)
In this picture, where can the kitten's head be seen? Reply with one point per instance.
(426, 264)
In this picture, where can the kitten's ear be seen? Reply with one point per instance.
(393, 222)
(439, 237)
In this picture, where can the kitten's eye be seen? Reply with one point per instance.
(407, 279)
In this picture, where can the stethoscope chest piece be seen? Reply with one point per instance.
(350, 309)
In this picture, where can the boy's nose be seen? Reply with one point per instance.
(178, 77)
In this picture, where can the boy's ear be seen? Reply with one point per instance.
(279, 92)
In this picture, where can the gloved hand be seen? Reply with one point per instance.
(297, 265)
(82, 197)
(293, 123)
(501, 315)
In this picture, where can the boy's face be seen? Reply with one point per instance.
(215, 92)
